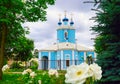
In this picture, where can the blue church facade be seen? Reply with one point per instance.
(66, 51)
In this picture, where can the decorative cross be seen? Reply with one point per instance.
(59, 16)
(65, 12)
(71, 16)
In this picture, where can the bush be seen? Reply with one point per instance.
(33, 65)
(15, 65)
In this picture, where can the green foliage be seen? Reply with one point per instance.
(107, 42)
(33, 65)
(16, 69)
(24, 49)
(18, 78)
(12, 14)
(36, 53)
(44, 77)
(11, 79)
(15, 65)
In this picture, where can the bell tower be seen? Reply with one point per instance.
(66, 30)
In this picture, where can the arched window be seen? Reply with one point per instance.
(66, 35)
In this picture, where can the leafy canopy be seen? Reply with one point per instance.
(107, 42)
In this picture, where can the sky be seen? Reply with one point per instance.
(44, 33)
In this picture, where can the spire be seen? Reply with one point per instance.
(65, 12)
(65, 19)
(59, 17)
(71, 23)
(71, 17)
(59, 23)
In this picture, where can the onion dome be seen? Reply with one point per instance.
(65, 19)
(71, 23)
(59, 23)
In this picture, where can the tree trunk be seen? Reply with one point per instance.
(4, 32)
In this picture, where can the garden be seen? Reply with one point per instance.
(15, 45)
(41, 76)
(18, 73)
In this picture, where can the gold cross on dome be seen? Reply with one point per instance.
(71, 15)
(59, 16)
(65, 12)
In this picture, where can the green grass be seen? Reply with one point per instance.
(16, 70)
(9, 78)
(13, 77)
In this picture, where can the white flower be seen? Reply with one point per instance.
(32, 74)
(39, 82)
(22, 64)
(52, 72)
(77, 74)
(96, 71)
(24, 72)
(28, 70)
(5, 67)
(34, 60)
(24, 1)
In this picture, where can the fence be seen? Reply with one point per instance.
(60, 64)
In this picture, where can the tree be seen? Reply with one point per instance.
(15, 12)
(36, 53)
(15, 44)
(23, 51)
(107, 43)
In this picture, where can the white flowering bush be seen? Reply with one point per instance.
(40, 77)
(53, 72)
(32, 74)
(29, 75)
(34, 60)
(33, 63)
(39, 82)
(83, 73)
(5, 67)
(27, 71)
(95, 71)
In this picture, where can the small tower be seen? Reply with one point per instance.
(65, 30)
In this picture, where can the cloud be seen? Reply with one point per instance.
(44, 33)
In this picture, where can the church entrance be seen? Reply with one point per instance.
(67, 63)
(45, 63)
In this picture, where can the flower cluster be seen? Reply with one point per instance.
(79, 74)
(22, 64)
(34, 60)
(5, 67)
(53, 72)
(39, 82)
(30, 72)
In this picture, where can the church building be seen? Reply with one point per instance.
(66, 51)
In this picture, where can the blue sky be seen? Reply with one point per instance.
(44, 33)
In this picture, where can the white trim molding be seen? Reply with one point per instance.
(73, 57)
(40, 63)
(61, 59)
(84, 56)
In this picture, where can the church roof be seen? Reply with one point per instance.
(65, 27)
(66, 46)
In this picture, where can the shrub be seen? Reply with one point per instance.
(15, 65)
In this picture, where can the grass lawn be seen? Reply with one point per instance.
(12, 77)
